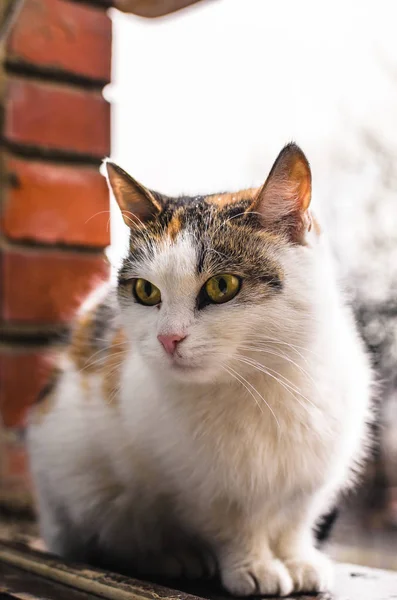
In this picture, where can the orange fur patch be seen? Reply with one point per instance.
(112, 368)
(221, 200)
(88, 359)
(174, 226)
(81, 347)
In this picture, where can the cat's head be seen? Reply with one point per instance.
(209, 281)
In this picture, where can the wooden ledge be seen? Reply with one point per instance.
(24, 572)
(152, 8)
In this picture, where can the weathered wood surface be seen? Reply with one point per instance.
(15, 583)
(25, 573)
(83, 578)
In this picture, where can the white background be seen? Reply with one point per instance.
(204, 99)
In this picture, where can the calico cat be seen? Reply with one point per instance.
(214, 403)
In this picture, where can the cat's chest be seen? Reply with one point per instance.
(220, 452)
(262, 459)
(216, 445)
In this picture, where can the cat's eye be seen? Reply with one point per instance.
(222, 288)
(146, 293)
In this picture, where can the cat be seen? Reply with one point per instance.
(214, 403)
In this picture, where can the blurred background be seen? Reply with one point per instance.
(203, 99)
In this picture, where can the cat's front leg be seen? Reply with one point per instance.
(310, 569)
(248, 567)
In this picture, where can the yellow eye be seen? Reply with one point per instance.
(222, 288)
(146, 293)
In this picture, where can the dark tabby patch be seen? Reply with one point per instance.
(46, 398)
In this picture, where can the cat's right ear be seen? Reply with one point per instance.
(283, 201)
(137, 203)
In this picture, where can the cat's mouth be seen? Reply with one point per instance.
(179, 365)
(188, 372)
(193, 364)
(184, 365)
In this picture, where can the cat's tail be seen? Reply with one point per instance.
(323, 528)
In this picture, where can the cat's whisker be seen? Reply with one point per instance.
(236, 377)
(101, 212)
(283, 385)
(286, 383)
(221, 254)
(112, 367)
(245, 212)
(134, 219)
(265, 369)
(91, 364)
(263, 343)
(107, 348)
(304, 372)
(279, 355)
(294, 347)
(103, 350)
(113, 396)
(260, 366)
(255, 348)
(255, 390)
(227, 220)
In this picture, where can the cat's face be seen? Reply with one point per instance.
(209, 280)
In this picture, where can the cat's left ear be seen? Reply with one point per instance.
(283, 201)
(137, 203)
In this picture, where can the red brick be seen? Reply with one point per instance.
(57, 117)
(63, 36)
(17, 464)
(15, 482)
(22, 377)
(46, 287)
(51, 203)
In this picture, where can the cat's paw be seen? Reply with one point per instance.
(311, 574)
(266, 577)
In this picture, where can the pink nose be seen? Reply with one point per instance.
(170, 341)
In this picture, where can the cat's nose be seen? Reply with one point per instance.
(170, 341)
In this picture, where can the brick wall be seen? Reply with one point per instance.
(53, 202)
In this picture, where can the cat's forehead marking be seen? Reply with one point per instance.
(196, 237)
(175, 260)
(222, 200)
(175, 224)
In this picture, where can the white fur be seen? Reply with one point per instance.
(245, 460)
